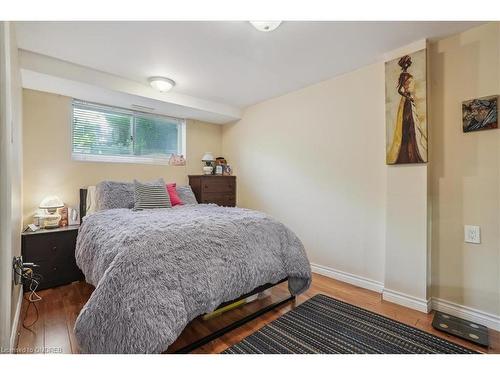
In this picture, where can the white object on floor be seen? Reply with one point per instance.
(261, 295)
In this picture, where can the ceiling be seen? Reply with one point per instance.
(227, 62)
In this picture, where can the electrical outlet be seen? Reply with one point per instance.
(472, 234)
(17, 265)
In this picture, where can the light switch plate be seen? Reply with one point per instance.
(472, 234)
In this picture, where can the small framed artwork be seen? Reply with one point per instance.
(480, 114)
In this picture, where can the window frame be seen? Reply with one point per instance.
(130, 159)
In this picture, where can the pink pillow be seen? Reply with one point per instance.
(174, 197)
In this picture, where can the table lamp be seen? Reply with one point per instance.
(208, 159)
(51, 218)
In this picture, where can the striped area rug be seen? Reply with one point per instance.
(326, 325)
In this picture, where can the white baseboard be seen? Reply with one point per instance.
(15, 323)
(477, 316)
(350, 278)
(406, 300)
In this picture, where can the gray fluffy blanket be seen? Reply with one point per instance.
(156, 270)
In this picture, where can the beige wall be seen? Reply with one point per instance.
(465, 172)
(407, 232)
(315, 159)
(48, 168)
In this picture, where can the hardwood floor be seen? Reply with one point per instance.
(53, 331)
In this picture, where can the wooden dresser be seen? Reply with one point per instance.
(53, 250)
(220, 190)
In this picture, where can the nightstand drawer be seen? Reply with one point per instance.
(218, 185)
(45, 247)
(54, 273)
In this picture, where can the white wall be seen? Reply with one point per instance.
(10, 179)
(315, 160)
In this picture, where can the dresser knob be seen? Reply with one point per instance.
(54, 248)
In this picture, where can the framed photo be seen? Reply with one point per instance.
(73, 216)
(227, 170)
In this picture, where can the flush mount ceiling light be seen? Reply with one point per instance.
(265, 26)
(161, 84)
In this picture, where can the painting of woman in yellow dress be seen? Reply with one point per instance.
(406, 109)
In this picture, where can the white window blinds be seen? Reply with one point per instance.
(104, 133)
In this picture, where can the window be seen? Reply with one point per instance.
(110, 134)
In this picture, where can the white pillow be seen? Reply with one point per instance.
(91, 200)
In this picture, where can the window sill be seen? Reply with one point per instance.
(119, 159)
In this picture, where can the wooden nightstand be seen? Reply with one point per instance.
(54, 251)
(220, 190)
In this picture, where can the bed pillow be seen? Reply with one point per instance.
(112, 194)
(151, 195)
(172, 193)
(186, 195)
(90, 202)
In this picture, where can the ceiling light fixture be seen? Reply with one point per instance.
(265, 26)
(161, 84)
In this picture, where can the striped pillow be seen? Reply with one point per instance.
(148, 196)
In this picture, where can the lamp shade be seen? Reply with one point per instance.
(51, 201)
(208, 157)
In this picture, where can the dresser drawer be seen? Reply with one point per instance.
(218, 185)
(220, 190)
(228, 200)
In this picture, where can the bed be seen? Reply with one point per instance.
(156, 270)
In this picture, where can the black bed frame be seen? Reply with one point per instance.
(222, 331)
(238, 323)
